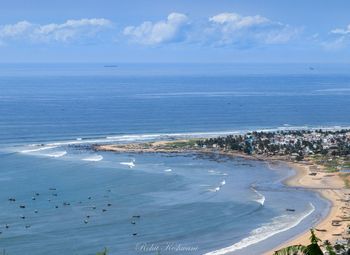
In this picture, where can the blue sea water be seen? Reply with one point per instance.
(188, 204)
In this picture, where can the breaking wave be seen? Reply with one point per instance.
(158, 136)
(216, 189)
(260, 197)
(94, 158)
(38, 148)
(213, 172)
(277, 225)
(57, 154)
(130, 164)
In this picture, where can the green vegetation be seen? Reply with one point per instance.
(104, 252)
(331, 163)
(181, 144)
(329, 248)
(312, 249)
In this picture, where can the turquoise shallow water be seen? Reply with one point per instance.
(201, 202)
(189, 201)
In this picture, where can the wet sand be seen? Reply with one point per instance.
(331, 187)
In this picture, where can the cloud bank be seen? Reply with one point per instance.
(65, 32)
(226, 29)
(235, 29)
(173, 29)
(222, 29)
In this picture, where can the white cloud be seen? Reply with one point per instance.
(14, 30)
(235, 21)
(64, 32)
(339, 38)
(223, 29)
(70, 29)
(235, 29)
(341, 31)
(170, 30)
(220, 30)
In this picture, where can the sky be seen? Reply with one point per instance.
(175, 31)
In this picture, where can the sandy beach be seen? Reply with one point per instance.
(331, 187)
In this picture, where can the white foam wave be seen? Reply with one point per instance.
(94, 158)
(279, 224)
(333, 90)
(260, 197)
(155, 137)
(217, 189)
(140, 137)
(133, 137)
(213, 172)
(57, 154)
(130, 164)
(168, 170)
(41, 148)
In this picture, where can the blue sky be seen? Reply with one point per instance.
(248, 31)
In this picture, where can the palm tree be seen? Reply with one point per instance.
(329, 248)
(311, 249)
(292, 250)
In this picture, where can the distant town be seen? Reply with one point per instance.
(294, 143)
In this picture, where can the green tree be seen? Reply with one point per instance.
(329, 247)
(312, 249)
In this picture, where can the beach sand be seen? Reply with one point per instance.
(331, 187)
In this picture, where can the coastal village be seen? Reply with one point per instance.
(295, 144)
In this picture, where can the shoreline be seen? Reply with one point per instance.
(330, 186)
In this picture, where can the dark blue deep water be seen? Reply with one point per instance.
(188, 204)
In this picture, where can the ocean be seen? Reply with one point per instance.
(78, 201)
